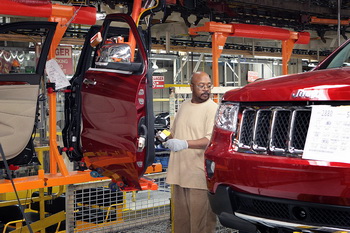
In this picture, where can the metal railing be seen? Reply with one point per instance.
(93, 207)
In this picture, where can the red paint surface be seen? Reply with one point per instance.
(276, 176)
(334, 83)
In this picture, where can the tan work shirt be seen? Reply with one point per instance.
(192, 121)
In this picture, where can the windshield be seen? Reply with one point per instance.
(340, 58)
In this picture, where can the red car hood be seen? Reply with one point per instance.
(330, 84)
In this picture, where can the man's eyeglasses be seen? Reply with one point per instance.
(202, 86)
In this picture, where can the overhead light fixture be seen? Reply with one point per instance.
(156, 69)
(20, 57)
(312, 65)
(268, 57)
(100, 15)
(154, 65)
(160, 70)
(234, 60)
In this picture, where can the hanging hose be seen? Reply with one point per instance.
(159, 5)
(14, 188)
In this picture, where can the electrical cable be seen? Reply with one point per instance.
(145, 10)
(14, 188)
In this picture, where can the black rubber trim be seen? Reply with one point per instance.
(228, 201)
(125, 66)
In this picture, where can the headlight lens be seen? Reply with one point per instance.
(226, 116)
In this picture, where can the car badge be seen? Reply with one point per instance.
(141, 92)
(139, 163)
(308, 94)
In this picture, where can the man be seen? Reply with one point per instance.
(190, 135)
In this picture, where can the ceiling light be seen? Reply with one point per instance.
(311, 65)
(160, 70)
(268, 57)
(234, 60)
(154, 66)
(100, 15)
(156, 69)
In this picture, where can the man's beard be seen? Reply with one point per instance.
(205, 96)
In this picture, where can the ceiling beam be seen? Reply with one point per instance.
(78, 41)
(38, 39)
(245, 53)
(291, 6)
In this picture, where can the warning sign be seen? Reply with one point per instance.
(158, 82)
(64, 59)
(252, 76)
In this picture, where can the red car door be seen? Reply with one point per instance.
(117, 134)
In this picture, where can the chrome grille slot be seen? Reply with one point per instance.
(298, 130)
(262, 129)
(280, 130)
(276, 130)
(246, 129)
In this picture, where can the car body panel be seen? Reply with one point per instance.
(282, 177)
(317, 85)
(279, 188)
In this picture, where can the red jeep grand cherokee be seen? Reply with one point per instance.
(278, 160)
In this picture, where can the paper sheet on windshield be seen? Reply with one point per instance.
(328, 137)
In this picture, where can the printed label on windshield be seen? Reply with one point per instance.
(329, 134)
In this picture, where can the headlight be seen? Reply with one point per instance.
(226, 116)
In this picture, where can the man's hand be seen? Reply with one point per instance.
(176, 144)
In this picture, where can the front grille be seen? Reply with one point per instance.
(299, 127)
(246, 136)
(292, 211)
(261, 129)
(264, 208)
(278, 130)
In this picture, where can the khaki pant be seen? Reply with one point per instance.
(192, 211)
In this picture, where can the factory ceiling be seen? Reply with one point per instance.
(296, 14)
(320, 17)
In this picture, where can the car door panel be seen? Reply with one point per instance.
(17, 117)
(115, 111)
(21, 70)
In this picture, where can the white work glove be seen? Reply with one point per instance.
(176, 144)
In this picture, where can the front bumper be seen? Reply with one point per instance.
(222, 205)
(246, 212)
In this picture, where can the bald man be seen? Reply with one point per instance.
(190, 135)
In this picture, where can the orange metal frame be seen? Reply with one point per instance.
(316, 20)
(220, 32)
(63, 15)
(137, 11)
